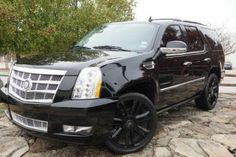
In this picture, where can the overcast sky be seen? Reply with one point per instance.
(214, 12)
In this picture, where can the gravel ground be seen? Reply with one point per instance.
(183, 132)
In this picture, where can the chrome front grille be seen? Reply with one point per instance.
(35, 85)
(30, 123)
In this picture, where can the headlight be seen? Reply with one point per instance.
(88, 84)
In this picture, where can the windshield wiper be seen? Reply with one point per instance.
(109, 47)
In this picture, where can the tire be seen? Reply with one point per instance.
(134, 124)
(208, 98)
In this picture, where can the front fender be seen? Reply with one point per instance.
(123, 74)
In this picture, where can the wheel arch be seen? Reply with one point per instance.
(216, 70)
(148, 87)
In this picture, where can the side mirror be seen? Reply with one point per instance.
(174, 47)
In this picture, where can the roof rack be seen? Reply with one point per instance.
(193, 22)
(150, 20)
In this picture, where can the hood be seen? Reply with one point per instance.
(72, 61)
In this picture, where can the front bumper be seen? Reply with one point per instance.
(97, 113)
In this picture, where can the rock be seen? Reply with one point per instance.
(70, 151)
(226, 139)
(29, 138)
(147, 152)
(233, 152)
(234, 122)
(31, 141)
(174, 133)
(162, 152)
(164, 141)
(13, 145)
(197, 131)
(10, 131)
(214, 149)
(4, 122)
(41, 145)
(161, 132)
(219, 119)
(186, 147)
(176, 155)
(205, 114)
(179, 124)
(225, 116)
(20, 151)
(199, 119)
(198, 148)
(221, 128)
(188, 133)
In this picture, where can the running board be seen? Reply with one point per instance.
(176, 105)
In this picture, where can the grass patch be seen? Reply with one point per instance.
(1, 108)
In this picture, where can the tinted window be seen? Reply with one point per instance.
(172, 33)
(195, 42)
(134, 37)
(212, 38)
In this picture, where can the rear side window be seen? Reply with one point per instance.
(195, 42)
(212, 38)
(172, 33)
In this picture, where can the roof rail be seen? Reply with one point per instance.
(193, 22)
(150, 20)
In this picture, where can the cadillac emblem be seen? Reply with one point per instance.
(27, 84)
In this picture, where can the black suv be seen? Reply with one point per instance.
(110, 86)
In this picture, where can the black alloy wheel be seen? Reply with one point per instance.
(134, 124)
(213, 91)
(209, 96)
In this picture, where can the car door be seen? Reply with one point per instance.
(173, 71)
(200, 58)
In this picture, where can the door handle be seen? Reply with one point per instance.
(207, 59)
(188, 63)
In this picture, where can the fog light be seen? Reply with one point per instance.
(83, 130)
(69, 129)
(77, 129)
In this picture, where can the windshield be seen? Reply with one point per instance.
(122, 37)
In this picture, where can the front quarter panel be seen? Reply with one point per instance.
(123, 74)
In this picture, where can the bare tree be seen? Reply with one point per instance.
(227, 40)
